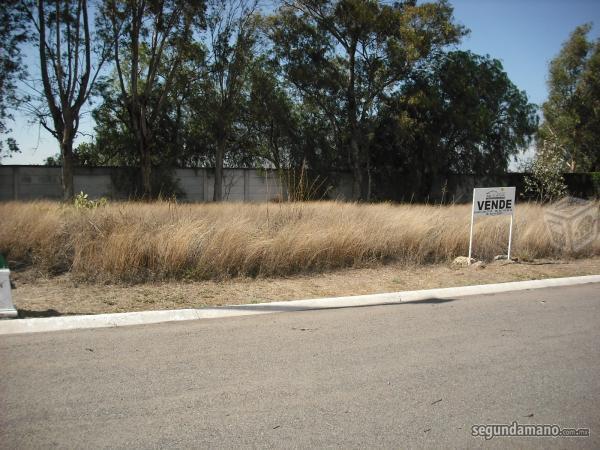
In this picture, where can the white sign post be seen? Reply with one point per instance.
(495, 201)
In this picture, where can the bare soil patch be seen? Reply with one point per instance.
(37, 295)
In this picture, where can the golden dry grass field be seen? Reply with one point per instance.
(140, 242)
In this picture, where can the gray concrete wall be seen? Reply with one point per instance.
(249, 185)
(29, 183)
(41, 182)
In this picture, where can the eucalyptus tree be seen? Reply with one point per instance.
(13, 34)
(572, 111)
(229, 40)
(150, 40)
(345, 56)
(65, 46)
(271, 117)
(462, 115)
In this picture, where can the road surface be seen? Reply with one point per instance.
(391, 376)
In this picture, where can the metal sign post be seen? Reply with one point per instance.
(496, 201)
(510, 235)
(471, 232)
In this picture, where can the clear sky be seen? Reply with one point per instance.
(524, 34)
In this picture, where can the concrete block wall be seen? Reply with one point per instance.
(249, 185)
(191, 181)
(29, 183)
(7, 184)
(41, 182)
(96, 182)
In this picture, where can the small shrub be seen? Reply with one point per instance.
(82, 201)
(546, 182)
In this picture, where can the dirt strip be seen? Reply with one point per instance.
(39, 296)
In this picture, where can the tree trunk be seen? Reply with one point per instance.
(146, 161)
(355, 150)
(369, 177)
(219, 156)
(357, 174)
(66, 150)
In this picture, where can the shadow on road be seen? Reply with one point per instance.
(291, 307)
(30, 313)
(432, 301)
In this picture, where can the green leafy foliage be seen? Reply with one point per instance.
(13, 34)
(318, 87)
(572, 111)
(459, 114)
(344, 57)
(150, 42)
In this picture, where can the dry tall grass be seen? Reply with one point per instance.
(141, 241)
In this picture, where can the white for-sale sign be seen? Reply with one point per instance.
(494, 201)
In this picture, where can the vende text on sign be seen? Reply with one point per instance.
(494, 201)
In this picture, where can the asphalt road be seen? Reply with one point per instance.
(395, 376)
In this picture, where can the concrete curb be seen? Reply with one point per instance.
(148, 317)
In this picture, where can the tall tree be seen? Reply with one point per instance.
(572, 111)
(170, 136)
(64, 42)
(271, 117)
(150, 40)
(13, 33)
(230, 39)
(345, 56)
(461, 114)
(286, 132)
